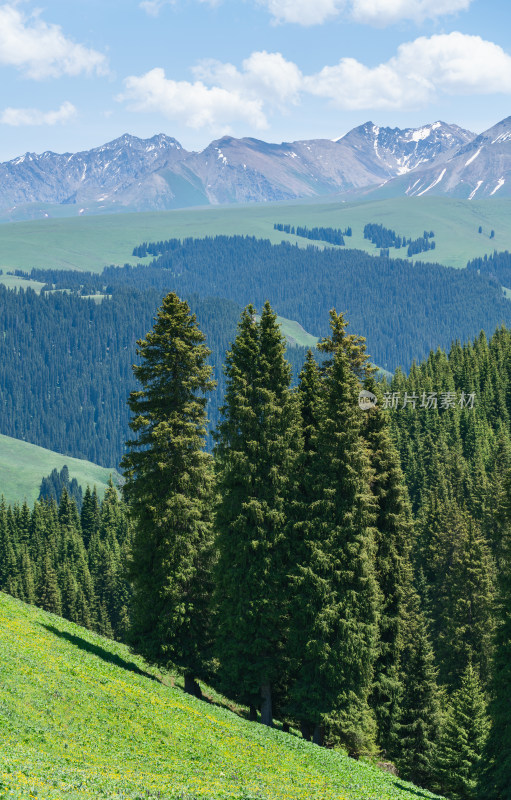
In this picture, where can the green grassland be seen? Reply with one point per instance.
(24, 465)
(14, 282)
(90, 243)
(81, 717)
(296, 336)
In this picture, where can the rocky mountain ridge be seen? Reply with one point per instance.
(158, 173)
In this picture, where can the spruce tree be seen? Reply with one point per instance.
(258, 441)
(89, 516)
(48, 592)
(335, 598)
(420, 704)
(495, 780)
(394, 537)
(462, 739)
(169, 491)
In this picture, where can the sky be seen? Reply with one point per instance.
(75, 75)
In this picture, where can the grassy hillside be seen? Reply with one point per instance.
(83, 718)
(14, 282)
(296, 335)
(92, 242)
(23, 466)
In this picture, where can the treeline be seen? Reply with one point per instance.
(496, 266)
(69, 563)
(385, 238)
(65, 362)
(157, 248)
(330, 235)
(312, 589)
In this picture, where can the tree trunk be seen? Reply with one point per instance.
(192, 687)
(306, 730)
(252, 713)
(318, 735)
(266, 706)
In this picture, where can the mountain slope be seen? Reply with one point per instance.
(82, 717)
(24, 465)
(401, 151)
(157, 173)
(479, 169)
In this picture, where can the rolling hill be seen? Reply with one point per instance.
(90, 243)
(23, 466)
(84, 718)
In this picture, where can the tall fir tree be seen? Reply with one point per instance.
(169, 491)
(258, 441)
(495, 779)
(334, 590)
(394, 574)
(462, 739)
(420, 700)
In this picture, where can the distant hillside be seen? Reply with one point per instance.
(24, 465)
(83, 717)
(90, 243)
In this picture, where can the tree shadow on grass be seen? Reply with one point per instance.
(412, 791)
(100, 652)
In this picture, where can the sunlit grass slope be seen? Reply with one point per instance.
(80, 717)
(92, 242)
(24, 465)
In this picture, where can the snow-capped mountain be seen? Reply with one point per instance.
(482, 168)
(158, 173)
(94, 175)
(401, 151)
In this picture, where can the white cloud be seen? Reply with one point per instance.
(386, 12)
(315, 12)
(371, 12)
(222, 94)
(303, 12)
(454, 63)
(265, 77)
(153, 7)
(41, 50)
(194, 104)
(32, 116)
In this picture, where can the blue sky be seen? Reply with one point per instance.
(77, 74)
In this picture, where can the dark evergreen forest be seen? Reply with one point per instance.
(65, 361)
(388, 628)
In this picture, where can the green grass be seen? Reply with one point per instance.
(24, 465)
(14, 282)
(296, 336)
(90, 243)
(83, 718)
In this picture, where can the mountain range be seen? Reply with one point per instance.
(131, 174)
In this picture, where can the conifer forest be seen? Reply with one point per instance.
(321, 535)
